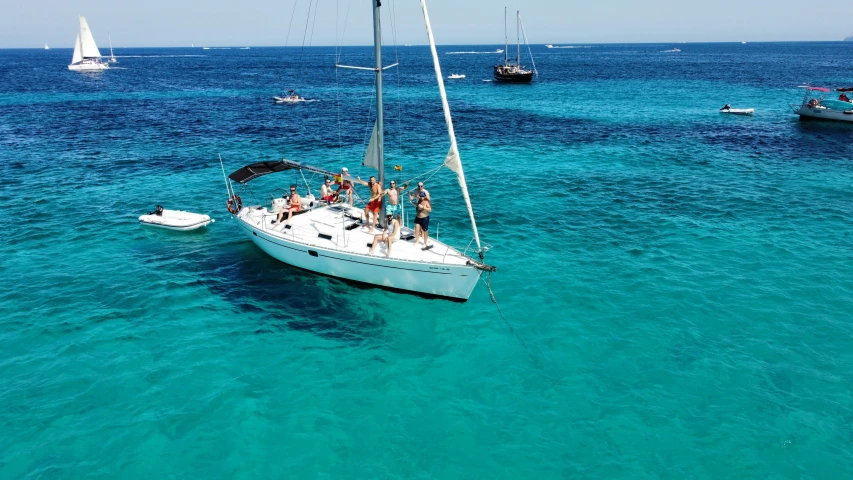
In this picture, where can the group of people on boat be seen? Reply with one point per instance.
(419, 198)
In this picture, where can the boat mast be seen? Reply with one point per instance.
(506, 41)
(380, 128)
(517, 39)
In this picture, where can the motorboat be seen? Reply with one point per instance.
(674, 50)
(331, 238)
(737, 111)
(174, 219)
(509, 72)
(455, 76)
(291, 97)
(818, 104)
(86, 57)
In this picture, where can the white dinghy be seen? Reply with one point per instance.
(326, 238)
(455, 76)
(174, 219)
(737, 111)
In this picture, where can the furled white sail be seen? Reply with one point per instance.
(452, 161)
(90, 49)
(78, 52)
(371, 156)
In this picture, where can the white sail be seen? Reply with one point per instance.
(90, 49)
(452, 160)
(371, 156)
(78, 52)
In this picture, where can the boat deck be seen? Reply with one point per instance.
(339, 227)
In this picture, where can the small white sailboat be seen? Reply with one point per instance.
(87, 57)
(325, 237)
(112, 56)
(455, 76)
(174, 219)
(737, 111)
(46, 47)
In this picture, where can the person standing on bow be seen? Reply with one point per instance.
(374, 203)
(418, 192)
(423, 207)
(393, 207)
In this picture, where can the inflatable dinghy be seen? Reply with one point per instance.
(174, 219)
(737, 111)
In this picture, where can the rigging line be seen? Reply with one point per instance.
(292, 14)
(526, 42)
(343, 33)
(304, 34)
(313, 23)
(399, 108)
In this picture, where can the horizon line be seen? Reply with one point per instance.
(680, 42)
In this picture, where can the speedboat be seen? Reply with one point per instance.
(737, 111)
(291, 97)
(174, 219)
(455, 76)
(817, 104)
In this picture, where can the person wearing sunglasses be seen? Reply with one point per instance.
(418, 191)
(294, 206)
(388, 236)
(374, 203)
(392, 206)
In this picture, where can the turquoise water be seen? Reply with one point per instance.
(680, 282)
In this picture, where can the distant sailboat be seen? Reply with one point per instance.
(112, 57)
(87, 57)
(509, 72)
(46, 47)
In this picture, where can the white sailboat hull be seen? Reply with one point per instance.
(823, 113)
(443, 277)
(88, 66)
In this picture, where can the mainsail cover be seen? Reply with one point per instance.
(78, 52)
(90, 49)
(371, 156)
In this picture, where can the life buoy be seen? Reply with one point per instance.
(235, 203)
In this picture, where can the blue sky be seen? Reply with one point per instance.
(264, 22)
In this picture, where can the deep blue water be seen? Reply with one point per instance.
(681, 280)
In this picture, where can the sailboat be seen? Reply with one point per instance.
(112, 56)
(324, 236)
(509, 72)
(46, 47)
(87, 57)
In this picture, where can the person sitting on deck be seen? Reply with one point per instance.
(726, 107)
(326, 191)
(373, 203)
(343, 184)
(844, 98)
(813, 102)
(388, 236)
(295, 206)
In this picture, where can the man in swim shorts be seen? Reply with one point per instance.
(344, 185)
(295, 206)
(326, 191)
(374, 203)
(423, 207)
(393, 207)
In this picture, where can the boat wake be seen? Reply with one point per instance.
(568, 46)
(500, 50)
(156, 56)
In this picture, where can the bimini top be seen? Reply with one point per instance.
(255, 170)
